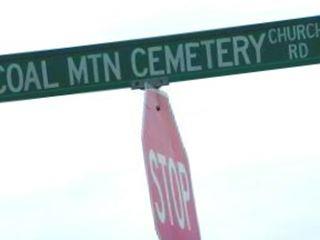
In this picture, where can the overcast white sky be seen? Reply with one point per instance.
(71, 167)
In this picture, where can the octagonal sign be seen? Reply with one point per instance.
(168, 171)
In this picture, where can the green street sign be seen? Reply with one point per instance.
(168, 59)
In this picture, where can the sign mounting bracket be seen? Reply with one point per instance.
(144, 84)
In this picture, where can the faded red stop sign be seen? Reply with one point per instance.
(168, 171)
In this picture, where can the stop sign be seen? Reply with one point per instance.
(168, 171)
